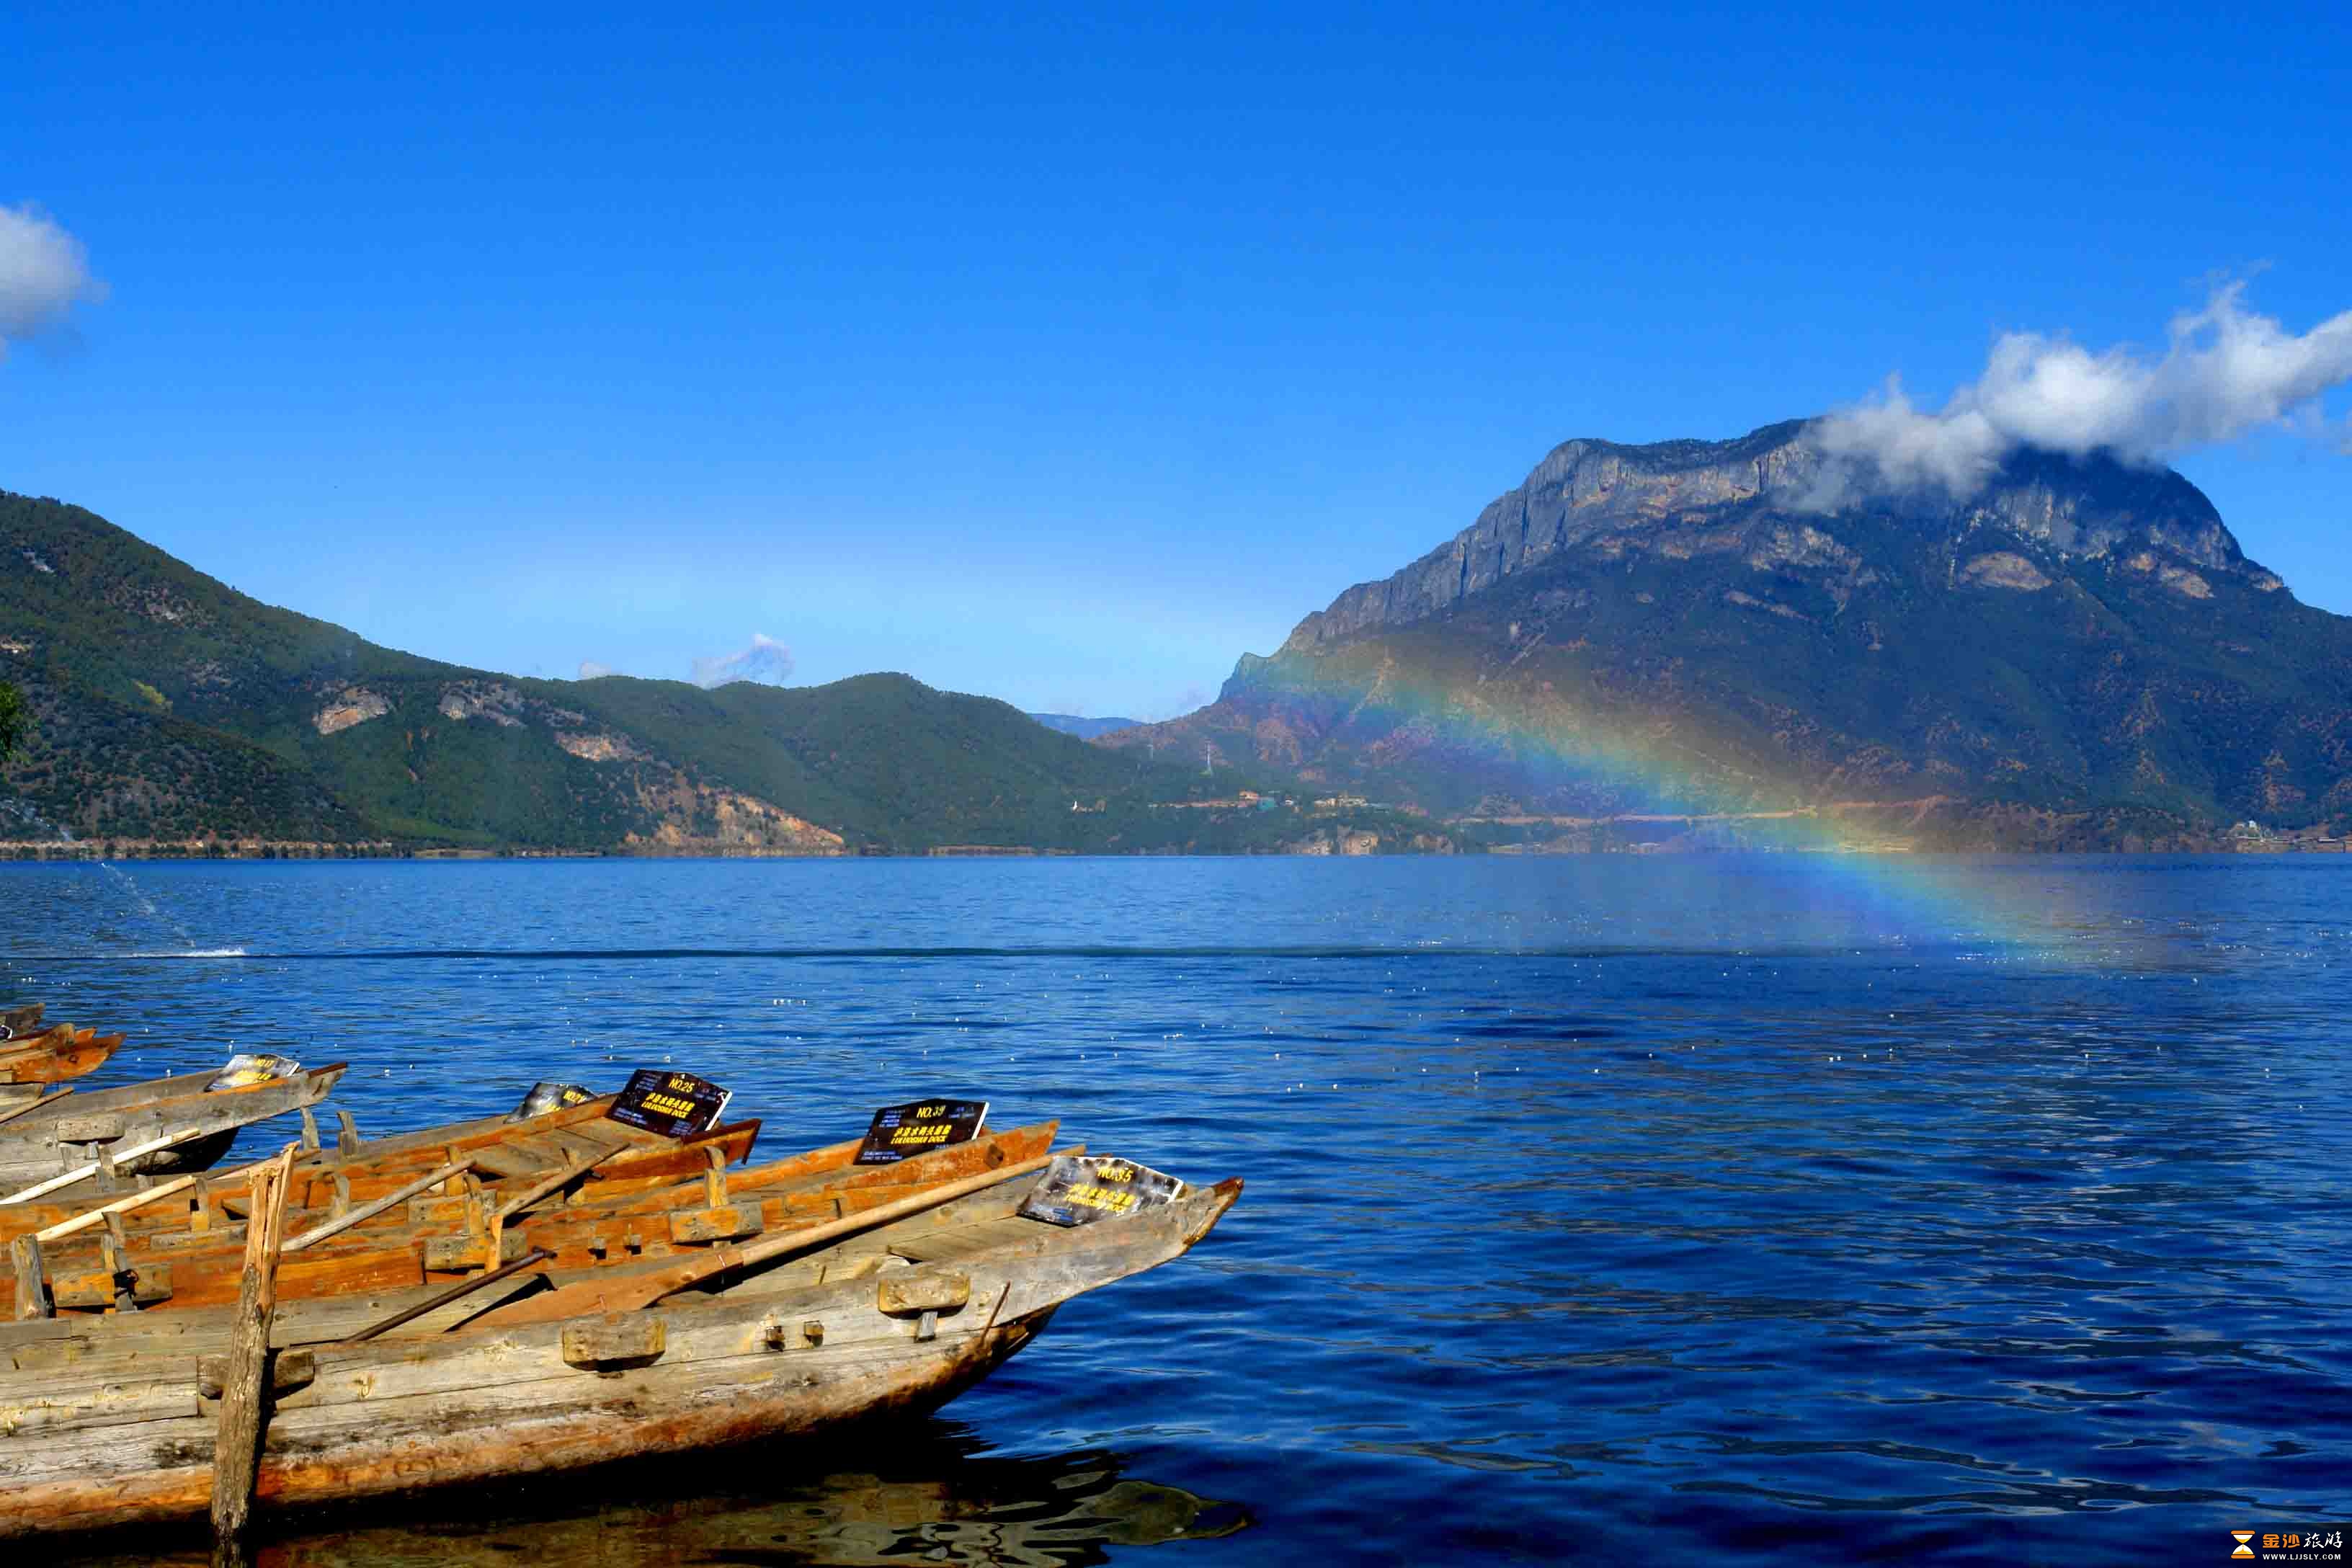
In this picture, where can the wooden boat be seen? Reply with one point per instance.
(54, 1054)
(435, 1238)
(20, 1020)
(353, 1170)
(110, 1425)
(428, 1236)
(64, 1132)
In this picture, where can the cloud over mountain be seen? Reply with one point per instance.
(44, 274)
(2225, 370)
(764, 658)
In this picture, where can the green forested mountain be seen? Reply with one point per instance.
(2078, 653)
(168, 706)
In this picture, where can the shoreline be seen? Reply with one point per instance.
(108, 850)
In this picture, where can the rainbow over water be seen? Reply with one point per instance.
(1605, 771)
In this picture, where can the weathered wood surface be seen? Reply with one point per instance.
(15, 1100)
(378, 1165)
(99, 1215)
(608, 1289)
(117, 1438)
(119, 1347)
(21, 1020)
(58, 1134)
(55, 1054)
(427, 1146)
(446, 1236)
(113, 1349)
(641, 1182)
(244, 1378)
(109, 1157)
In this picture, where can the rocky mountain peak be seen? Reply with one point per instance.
(1772, 492)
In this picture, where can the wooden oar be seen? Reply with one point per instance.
(463, 1288)
(82, 1222)
(555, 1179)
(366, 1212)
(629, 1293)
(123, 1157)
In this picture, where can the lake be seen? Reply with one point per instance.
(1642, 1209)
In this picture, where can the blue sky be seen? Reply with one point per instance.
(1065, 357)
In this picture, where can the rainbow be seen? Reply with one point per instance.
(1611, 775)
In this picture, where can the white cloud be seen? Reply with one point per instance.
(591, 670)
(2225, 372)
(44, 274)
(765, 659)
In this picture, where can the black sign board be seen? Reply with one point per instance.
(546, 1096)
(1080, 1189)
(676, 1104)
(899, 1130)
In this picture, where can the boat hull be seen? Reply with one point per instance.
(127, 1439)
(56, 1055)
(61, 1134)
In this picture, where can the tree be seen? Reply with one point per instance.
(14, 721)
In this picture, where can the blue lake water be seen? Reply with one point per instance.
(1636, 1209)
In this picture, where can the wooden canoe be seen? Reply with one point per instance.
(390, 1156)
(55, 1054)
(355, 1170)
(66, 1130)
(112, 1426)
(440, 1239)
(201, 1261)
(20, 1019)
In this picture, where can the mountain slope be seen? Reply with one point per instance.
(169, 706)
(1084, 728)
(1715, 627)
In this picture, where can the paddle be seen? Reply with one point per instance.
(628, 1293)
(120, 1157)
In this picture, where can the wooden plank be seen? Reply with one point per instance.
(288, 1369)
(600, 1294)
(619, 1338)
(104, 1288)
(29, 1147)
(13, 1111)
(366, 1212)
(454, 1293)
(236, 1447)
(32, 1281)
(552, 1182)
(97, 1216)
(578, 1143)
(80, 1173)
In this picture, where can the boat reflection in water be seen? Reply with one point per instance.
(911, 1492)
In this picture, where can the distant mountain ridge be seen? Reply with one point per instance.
(1083, 728)
(2078, 653)
(169, 708)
